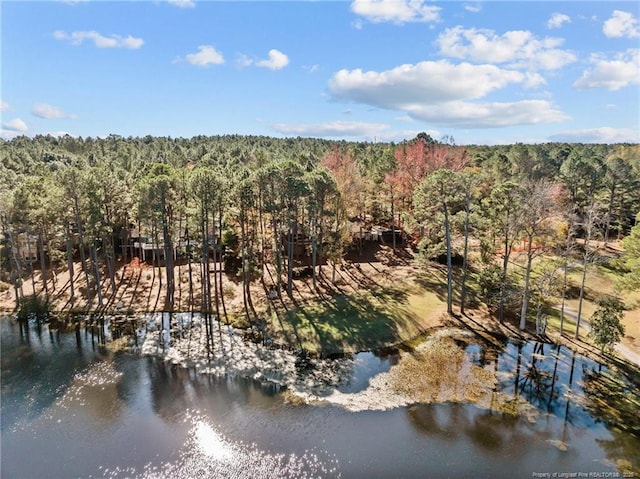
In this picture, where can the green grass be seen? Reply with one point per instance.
(385, 316)
(553, 322)
(362, 321)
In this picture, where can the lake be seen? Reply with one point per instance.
(72, 409)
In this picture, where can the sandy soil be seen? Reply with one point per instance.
(142, 288)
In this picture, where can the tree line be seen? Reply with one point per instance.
(250, 202)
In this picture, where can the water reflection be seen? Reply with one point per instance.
(49, 362)
(491, 432)
(612, 402)
(574, 397)
(119, 415)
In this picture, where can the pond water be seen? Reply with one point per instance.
(70, 409)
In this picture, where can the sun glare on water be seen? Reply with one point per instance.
(211, 443)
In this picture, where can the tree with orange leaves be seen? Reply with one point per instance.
(349, 180)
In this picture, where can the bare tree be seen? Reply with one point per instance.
(537, 203)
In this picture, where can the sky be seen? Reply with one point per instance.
(490, 72)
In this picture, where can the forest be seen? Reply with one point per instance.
(517, 231)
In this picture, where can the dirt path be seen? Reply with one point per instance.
(622, 349)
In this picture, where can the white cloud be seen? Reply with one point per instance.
(333, 128)
(206, 55)
(473, 7)
(440, 93)
(8, 134)
(612, 74)
(4, 106)
(182, 3)
(396, 11)
(424, 82)
(100, 41)
(533, 80)
(244, 61)
(621, 24)
(402, 135)
(276, 61)
(516, 48)
(603, 134)
(16, 124)
(48, 112)
(557, 20)
(464, 114)
(341, 129)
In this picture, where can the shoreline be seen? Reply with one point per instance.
(489, 332)
(386, 301)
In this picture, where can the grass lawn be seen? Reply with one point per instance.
(371, 317)
(553, 322)
(361, 321)
(631, 323)
(601, 279)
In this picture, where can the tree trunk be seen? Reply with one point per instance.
(17, 270)
(447, 233)
(180, 237)
(393, 221)
(191, 305)
(33, 279)
(314, 252)
(205, 279)
(277, 245)
(620, 215)
(609, 212)
(581, 297)
(224, 307)
(250, 252)
(585, 262)
(292, 235)
(83, 256)
(109, 250)
(261, 222)
(243, 249)
(96, 272)
(215, 271)
(527, 275)
(314, 260)
(503, 280)
(69, 247)
(168, 254)
(43, 267)
(564, 291)
(465, 261)
(319, 248)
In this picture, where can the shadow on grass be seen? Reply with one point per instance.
(434, 278)
(358, 322)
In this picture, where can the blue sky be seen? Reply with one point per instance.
(375, 70)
